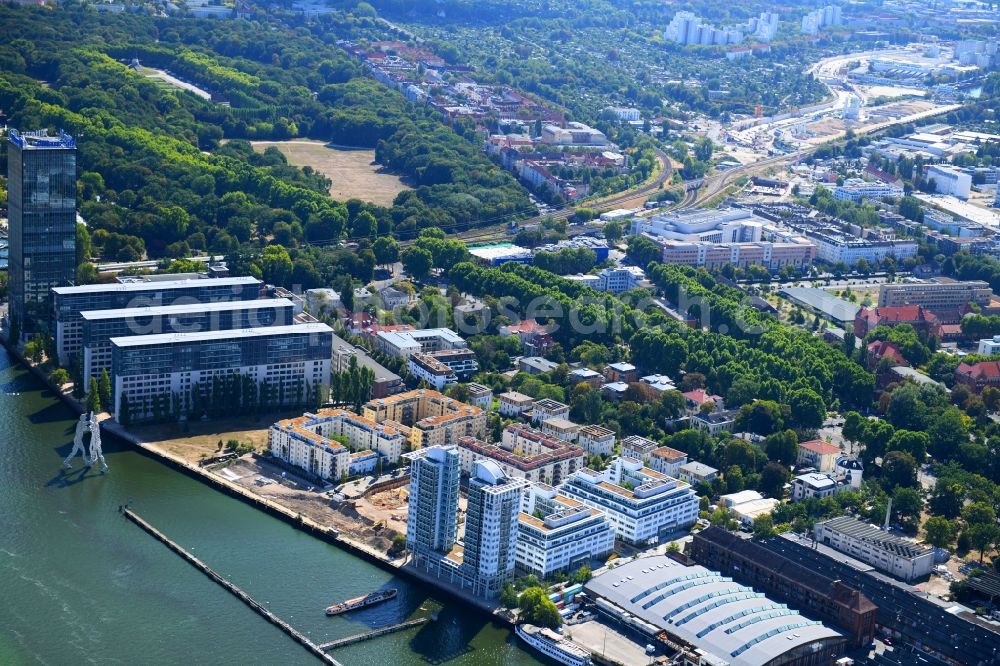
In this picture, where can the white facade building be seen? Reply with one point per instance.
(491, 524)
(656, 505)
(857, 190)
(619, 279)
(307, 442)
(949, 180)
(596, 440)
(899, 557)
(989, 346)
(556, 533)
(813, 485)
(640, 448)
(431, 371)
(480, 396)
(404, 344)
(513, 403)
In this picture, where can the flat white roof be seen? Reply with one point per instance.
(216, 306)
(199, 336)
(155, 285)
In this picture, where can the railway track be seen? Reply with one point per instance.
(630, 199)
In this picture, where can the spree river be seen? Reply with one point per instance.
(80, 584)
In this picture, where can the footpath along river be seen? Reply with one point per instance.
(80, 584)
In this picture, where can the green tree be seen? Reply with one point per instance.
(939, 531)
(508, 596)
(386, 250)
(94, 397)
(417, 262)
(948, 433)
(914, 443)
(899, 468)
(59, 376)
(773, 479)
(763, 527)
(948, 498)
(613, 232)
(807, 408)
(782, 446)
(983, 537)
(907, 503)
(538, 609)
(104, 388)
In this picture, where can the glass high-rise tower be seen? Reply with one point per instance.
(42, 217)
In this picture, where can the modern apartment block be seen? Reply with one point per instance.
(666, 460)
(70, 302)
(491, 521)
(427, 369)
(430, 418)
(41, 200)
(546, 408)
(432, 515)
(638, 447)
(479, 395)
(525, 453)
(157, 374)
(899, 557)
(406, 343)
(460, 361)
(486, 558)
(556, 533)
(641, 503)
(305, 442)
(513, 403)
(596, 440)
(99, 326)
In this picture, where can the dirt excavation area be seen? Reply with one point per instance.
(372, 521)
(352, 172)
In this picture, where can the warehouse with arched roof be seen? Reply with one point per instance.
(711, 615)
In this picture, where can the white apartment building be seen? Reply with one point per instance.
(431, 371)
(628, 114)
(858, 190)
(525, 453)
(153, 374)
(491, 528)
(653, 504)
(404, 344)
(306, 441)
(479, 395)
(432, 513)
(813, 485)
(835, 248)
(639, 448)
(513, 403)
(596, 440)
(556, 533)
(666, 460)
(561, 428)
(546, 408)
(899, 557)
(949, 180)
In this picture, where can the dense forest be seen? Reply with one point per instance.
(154, 179)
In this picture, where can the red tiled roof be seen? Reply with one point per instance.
(819, 447)
(881, 349)
(700, 396)
(982, 370)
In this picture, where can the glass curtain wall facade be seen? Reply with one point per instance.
(42, 219)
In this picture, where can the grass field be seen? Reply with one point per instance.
(353, 172)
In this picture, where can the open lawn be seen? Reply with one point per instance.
(190, 441)
(353, 172)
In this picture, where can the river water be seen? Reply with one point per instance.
(80, 584)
